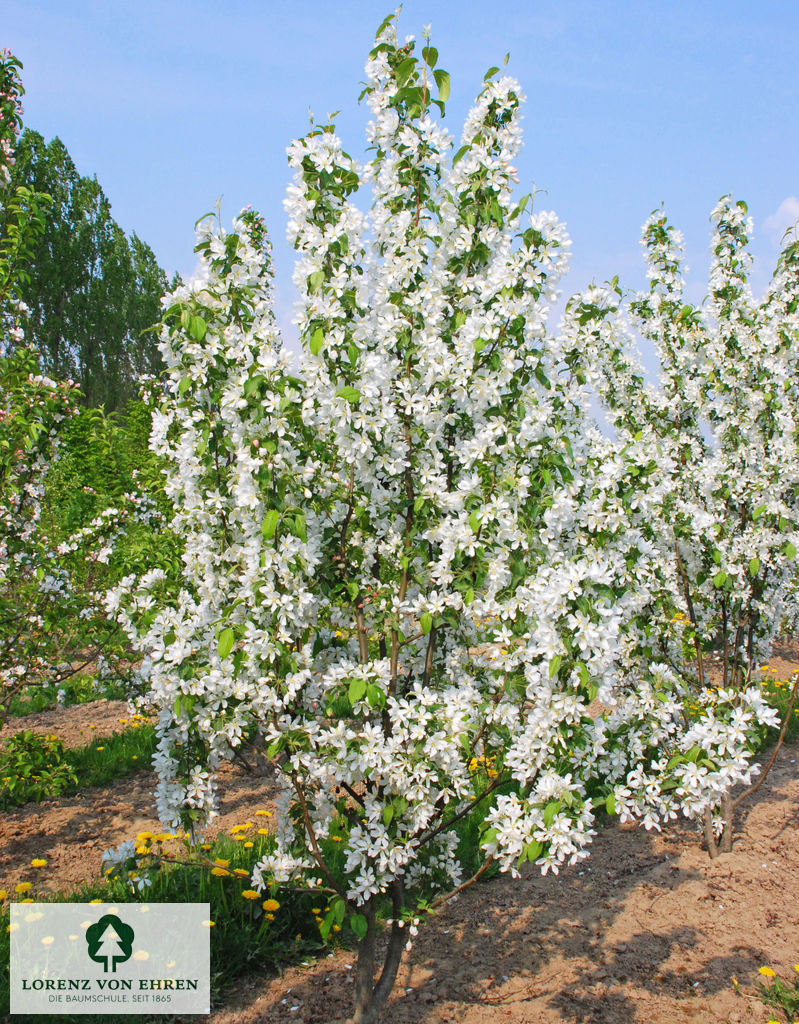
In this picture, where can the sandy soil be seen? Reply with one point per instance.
(647, 931)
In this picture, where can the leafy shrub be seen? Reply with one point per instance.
(33, 766)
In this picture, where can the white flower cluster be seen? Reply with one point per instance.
(714, 452)
(411, 567)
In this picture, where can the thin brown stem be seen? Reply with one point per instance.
(789, 711)
(312, 836)
(683, 573)
(464, 885)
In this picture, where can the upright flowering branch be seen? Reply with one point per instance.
(722, 428)
(409, 566)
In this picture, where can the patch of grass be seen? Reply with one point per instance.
(78, 689)
(112, 757)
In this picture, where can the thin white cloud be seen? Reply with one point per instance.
(785, 217)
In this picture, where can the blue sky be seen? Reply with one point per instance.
(173, 104)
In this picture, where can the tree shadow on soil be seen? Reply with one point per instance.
(506, 942)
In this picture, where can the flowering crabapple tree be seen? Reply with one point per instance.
(401, 559)
(720, 434)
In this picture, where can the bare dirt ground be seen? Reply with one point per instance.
(648, 930)
(72, 832)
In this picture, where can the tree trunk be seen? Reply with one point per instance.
(724, 843)
(710, 838)
(370, 998)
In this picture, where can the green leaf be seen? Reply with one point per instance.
(352, 590)
(252, 384)
(468, 597)
(426, 622)
(299, 527)
(489, 836)
(359, 925)
(459, 156)
(338, 909)
(475, 519)
(184, 385)
(532, 851)
(317, 341)
(754, 566)
(554, 665)
(430, 56)
(719, 579)
(758, 512)
(352, 395)
(315, 280)
(357, 690)
(550, 811)
(442, 81)
(326, 925)
(610, 803)
(404, 71)
(198, 328)
(583, 673)
(275, 747)
(387, 814)
(375, 696)
(490, 74)
(225, 641)
(269, 525)
(789, 550)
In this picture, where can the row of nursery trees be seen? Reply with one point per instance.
(414, 567)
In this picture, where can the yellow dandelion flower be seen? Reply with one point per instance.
(241, 872)
(271, 905)
(249, 894)
(263, 831)
(23, 887)
(268, 814)
(270, 917)
(248, 846)
(220, 872)
(26, 901)
(38, 862)
(48, 940)
(767, 972)
(222, 863)
(3, 894)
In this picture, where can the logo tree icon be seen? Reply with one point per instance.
(110, 942)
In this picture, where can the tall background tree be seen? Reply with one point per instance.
(92, 292)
